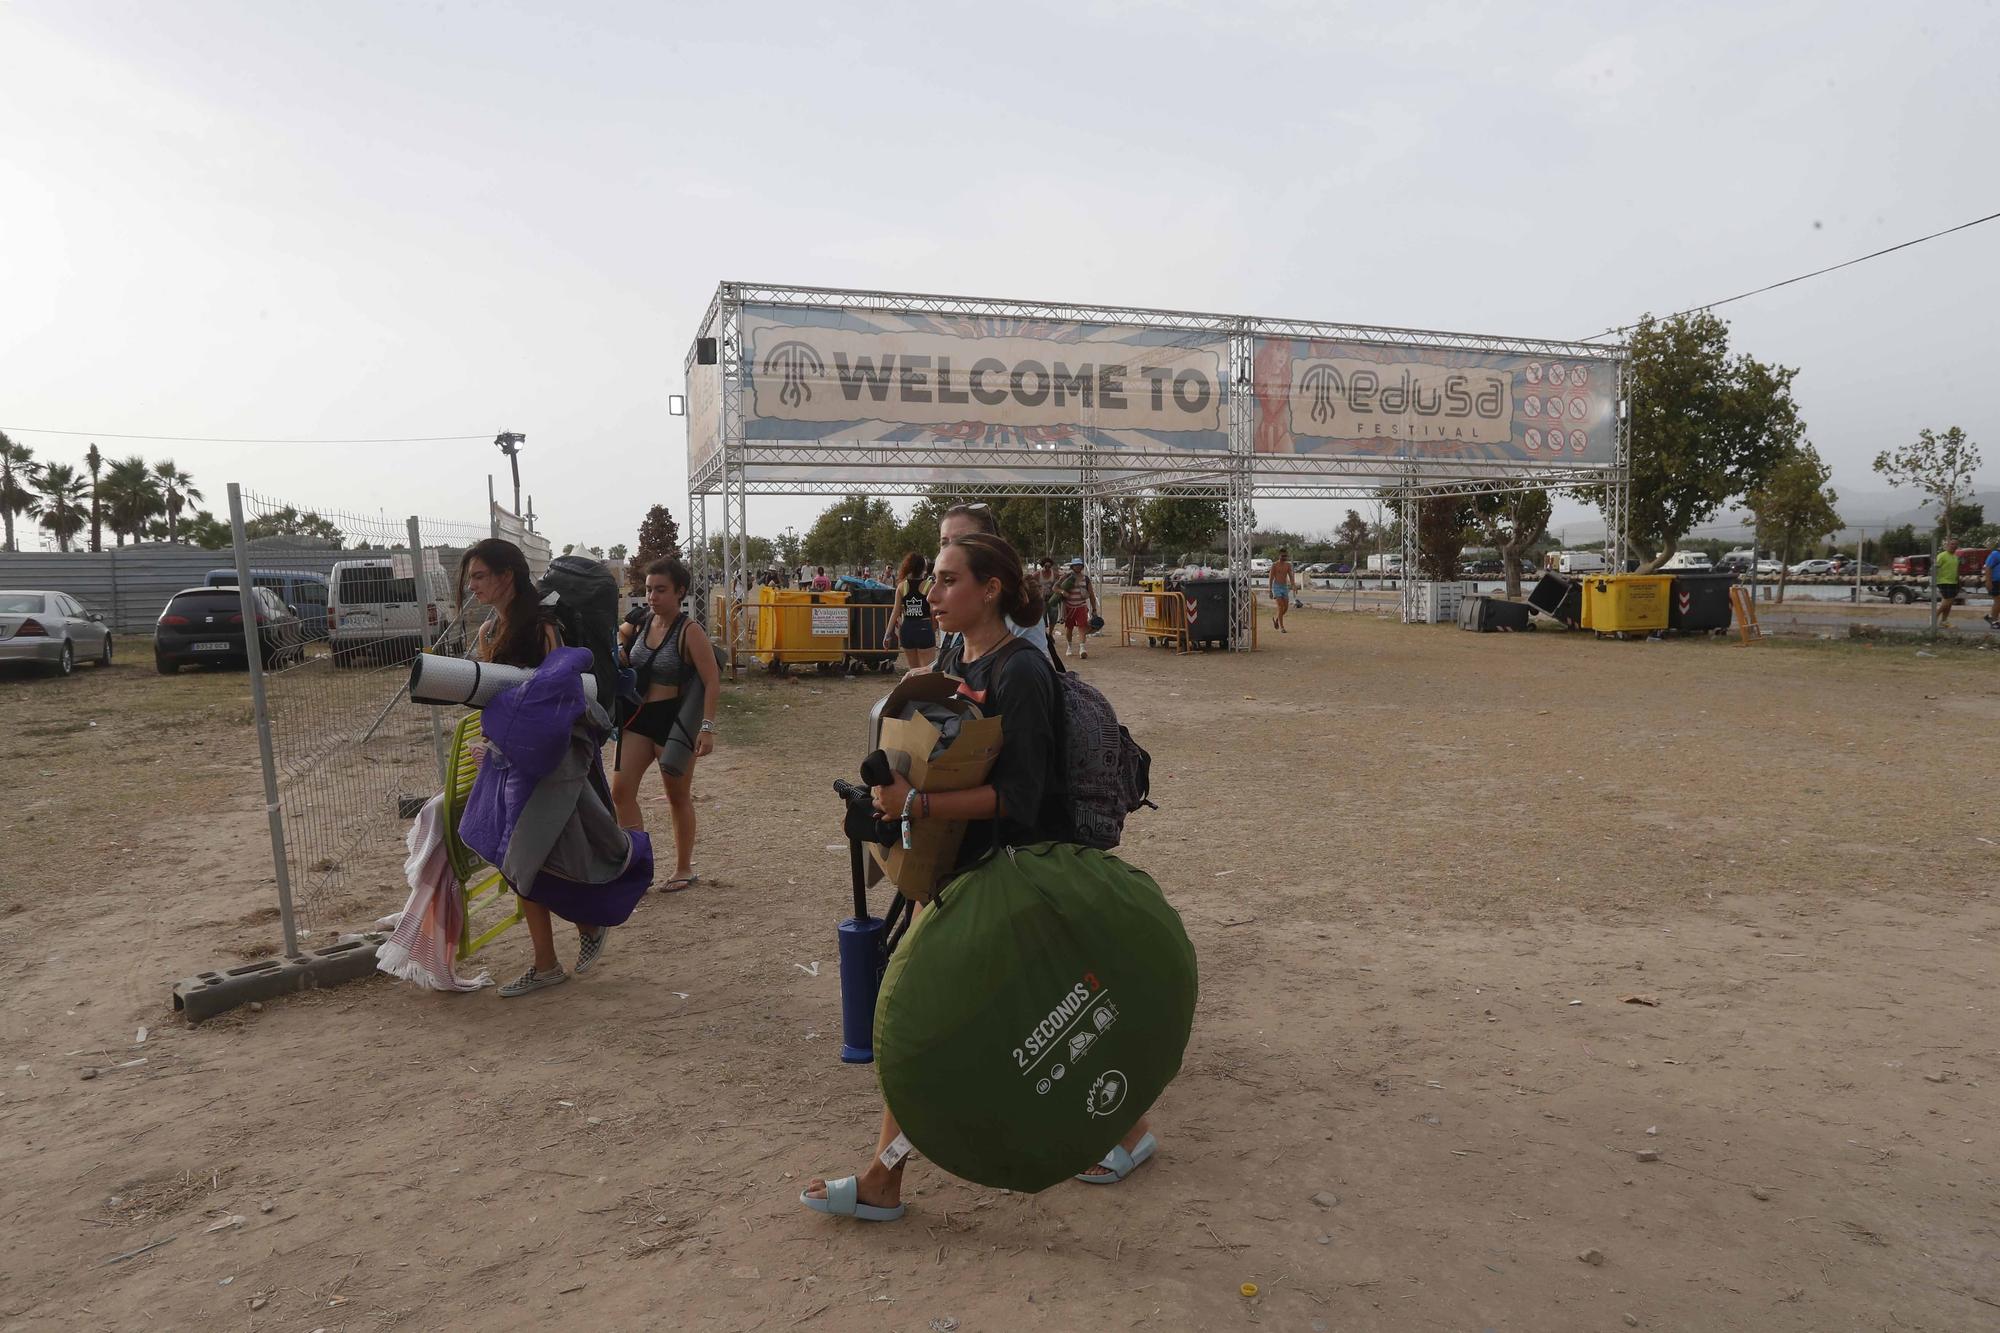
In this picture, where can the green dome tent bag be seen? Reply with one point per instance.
(1033, 1013)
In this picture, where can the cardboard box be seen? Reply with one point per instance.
(917, 870)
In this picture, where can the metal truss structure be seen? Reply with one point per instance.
(736, 467)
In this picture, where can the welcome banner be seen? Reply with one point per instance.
(870, 376)
(1431, 403)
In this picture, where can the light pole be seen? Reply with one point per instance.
(510, 443)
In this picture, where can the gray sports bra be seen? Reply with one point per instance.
(661, 665)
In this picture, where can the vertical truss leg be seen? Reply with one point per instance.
(1407, 580)
(702, 578)
(1239, 507)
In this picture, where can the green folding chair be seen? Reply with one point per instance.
(476, 879)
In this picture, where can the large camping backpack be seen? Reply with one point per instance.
(1109, 773)
(583, 597)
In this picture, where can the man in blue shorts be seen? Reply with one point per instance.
(1993, 585)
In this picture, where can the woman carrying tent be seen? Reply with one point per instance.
(979, 592)
(520, 633)
(669, 651)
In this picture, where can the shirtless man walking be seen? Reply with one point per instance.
(1281, 587)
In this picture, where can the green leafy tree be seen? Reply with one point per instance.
(1941, 466)
(1351, 538)
(1794, 506)
(63, 509)
(290, 522)
(1125, 531)
(131, 497)
(205, 531)
(18, 471)
(619, 551)
(790, 548)
(1184, 525)
(851, 532)
(659, 535)
(1901, 541)
(1706, 427)
(1512, 523)
(177, 488)
(1444, 524)
(1964, 518)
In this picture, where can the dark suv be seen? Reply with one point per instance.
(206, 625)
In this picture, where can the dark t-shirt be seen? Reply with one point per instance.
(1027, 775)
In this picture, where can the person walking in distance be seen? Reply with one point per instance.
(668, 650)
(916, 631)
(1079, 599)
(1992, 568)
(1944, 573)
(821, 583)
(1051, 599)
(1281, 588)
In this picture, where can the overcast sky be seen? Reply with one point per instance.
(371, 219)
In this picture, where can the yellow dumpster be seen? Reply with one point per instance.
(1627, 603)
(796, 627)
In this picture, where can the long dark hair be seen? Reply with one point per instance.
(992, 557)
(517, 639)
(911, 569)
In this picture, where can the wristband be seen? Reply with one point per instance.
(907, 801)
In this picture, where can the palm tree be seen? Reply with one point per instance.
(179, 489)
(63, 513)
(18, 470)
(131, 496)
(95, 462)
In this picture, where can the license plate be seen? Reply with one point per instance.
(213, 647)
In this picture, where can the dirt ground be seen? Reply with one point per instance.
(1423, 871)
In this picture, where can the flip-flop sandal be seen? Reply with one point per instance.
(1120, 1163)
(843, 1199)
(680, 883)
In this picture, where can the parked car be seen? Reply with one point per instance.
(205, 625)
(51, 629)
(1486, 569)
(1815, 566)
(1845, 567)
(295, 587)
(1577, 562)
(1911, 565)
(376, 607)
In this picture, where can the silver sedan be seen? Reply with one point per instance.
(51, 629)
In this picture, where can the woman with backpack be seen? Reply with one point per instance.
(916, 631)
(668, 650)
(521, 632)
(979, 593)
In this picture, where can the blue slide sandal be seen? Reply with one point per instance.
(1120, 1163)
(843, 1200)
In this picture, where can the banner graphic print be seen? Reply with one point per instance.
(1431, 403)
(873, 377)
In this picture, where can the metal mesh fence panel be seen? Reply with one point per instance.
(342, 604)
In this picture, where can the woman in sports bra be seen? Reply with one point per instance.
(668, 649)
(916, 630)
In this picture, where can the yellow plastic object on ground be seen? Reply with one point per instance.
(1626, 603)
(797, 627)
(460, 770)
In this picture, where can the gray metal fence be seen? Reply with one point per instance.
(129, 585)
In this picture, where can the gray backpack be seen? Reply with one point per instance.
(1109, 773)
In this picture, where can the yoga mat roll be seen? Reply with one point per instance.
(453, 681)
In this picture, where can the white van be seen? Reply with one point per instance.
(1579, 562)
(1689, 560)
(374, 607)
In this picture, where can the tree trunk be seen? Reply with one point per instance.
(8, 516)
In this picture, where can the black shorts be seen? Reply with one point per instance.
(1994, 591)
(1947, 592)
(655, 720)
(917, 632)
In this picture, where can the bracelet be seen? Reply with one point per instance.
(907, 801)
(707, 726)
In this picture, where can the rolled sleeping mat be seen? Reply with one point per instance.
(677, 755)
(451, 681)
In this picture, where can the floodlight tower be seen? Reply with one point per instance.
(510, 443)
